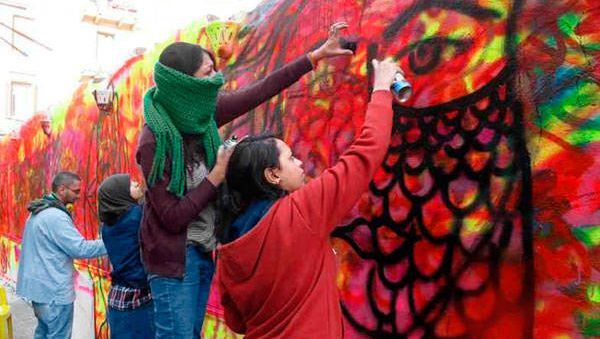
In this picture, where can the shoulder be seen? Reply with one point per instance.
(132, 216)
(134, 213)
(53, 212)
(288, 210)
(52, 216)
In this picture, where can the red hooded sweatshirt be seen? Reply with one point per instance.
(279, 279)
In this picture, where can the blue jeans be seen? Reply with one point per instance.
(131, 324)
(54, 321)
(180, 304)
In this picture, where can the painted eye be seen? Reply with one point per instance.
(426, 55)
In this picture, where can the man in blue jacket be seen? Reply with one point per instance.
(50, 243)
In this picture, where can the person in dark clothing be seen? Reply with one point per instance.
(130, 308)
(183, 163)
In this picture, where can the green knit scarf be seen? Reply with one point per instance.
(180, 104)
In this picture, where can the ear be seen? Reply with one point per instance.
(60, 193)
(272, 175)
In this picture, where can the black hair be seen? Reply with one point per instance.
(64, 178)
(185, 57)
(245, 175)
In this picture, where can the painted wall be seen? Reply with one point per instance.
(483, 219)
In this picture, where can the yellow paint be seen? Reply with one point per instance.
(363, 69)
(322, 103)
(131, 134)
(500, 6)
(543, 150)
(468, 80)
(21, 153)
(461, 32)
(494, 50)
(432, 25)
(475, 226)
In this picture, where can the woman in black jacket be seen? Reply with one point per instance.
(130, 308)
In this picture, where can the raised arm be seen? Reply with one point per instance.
(327, 199)
(231, 105)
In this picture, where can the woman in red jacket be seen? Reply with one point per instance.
(277, 274)
(183, 165)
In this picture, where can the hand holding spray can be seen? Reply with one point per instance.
(231, 142)
(400, 88)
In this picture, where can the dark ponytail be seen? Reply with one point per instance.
(245, 176)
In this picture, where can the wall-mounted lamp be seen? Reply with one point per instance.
(105, 98)
(14, 136)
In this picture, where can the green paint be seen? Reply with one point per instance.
(586, 133)
(59, 115)
(568, 22)
(591, 327)
(208, 331)
(492, 52)
(589, 235)
(592, 47)
(593, 293)
(431, 29)
(551, 41)
(571, 106)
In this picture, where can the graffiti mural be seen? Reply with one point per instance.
(484, 219)
(467, 219)
(95, 144)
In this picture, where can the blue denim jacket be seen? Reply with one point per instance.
(50, 243)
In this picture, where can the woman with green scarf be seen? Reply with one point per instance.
(183, 162)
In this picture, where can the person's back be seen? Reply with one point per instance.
(281, 277)
(123, 247)
(277, 278)
(46, 271)
(50, 243)
(130, 309)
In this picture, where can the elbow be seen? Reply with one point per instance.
(172, 223)
(236, 327)
(168, 217)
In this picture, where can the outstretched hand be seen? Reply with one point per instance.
(331, 47)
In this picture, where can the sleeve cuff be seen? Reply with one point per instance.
(382, 95)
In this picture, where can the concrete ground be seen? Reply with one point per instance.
(23, 320)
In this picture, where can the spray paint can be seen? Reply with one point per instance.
(400, 88)
(231, 142)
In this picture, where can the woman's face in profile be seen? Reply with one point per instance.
(206, 69)
(135, 190)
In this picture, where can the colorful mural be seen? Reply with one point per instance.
(484, 219)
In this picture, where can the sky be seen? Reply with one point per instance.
(164, 17)
(58, 25)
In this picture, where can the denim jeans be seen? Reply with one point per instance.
(54, 321)
(180, 304)
(132, 324)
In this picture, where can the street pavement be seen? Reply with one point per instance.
(23, 320)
